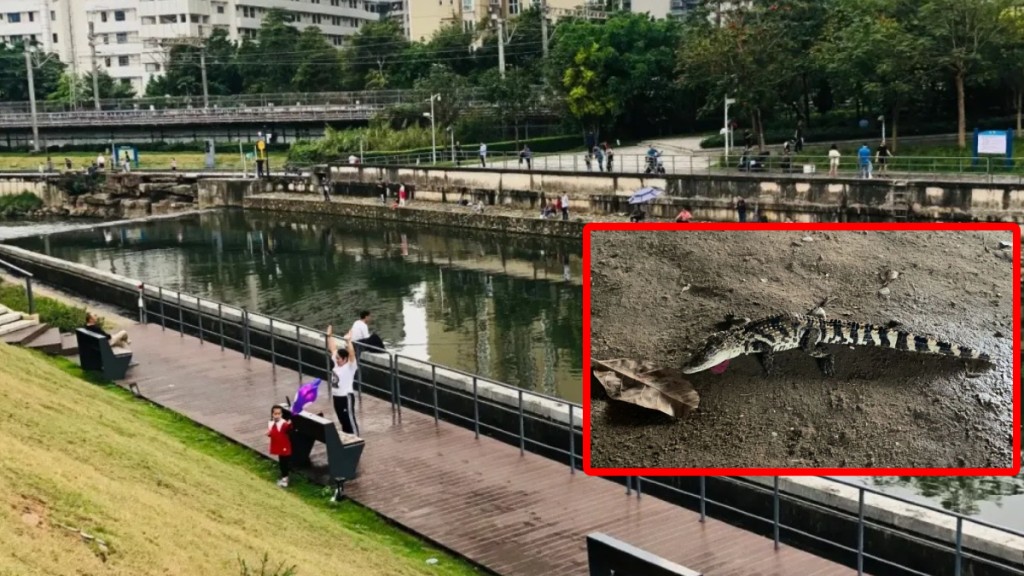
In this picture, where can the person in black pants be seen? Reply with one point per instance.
(342, 377)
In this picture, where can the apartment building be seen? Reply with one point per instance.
(129, 36)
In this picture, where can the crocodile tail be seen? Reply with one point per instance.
(861, 334)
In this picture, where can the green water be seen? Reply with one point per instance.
(507, 308)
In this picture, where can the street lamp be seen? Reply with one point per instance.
(32, 97)
(433, 128)
(725, 128)
(881, 118)
(451, 134)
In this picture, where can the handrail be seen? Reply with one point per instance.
(28, 282)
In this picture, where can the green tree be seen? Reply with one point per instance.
(512, 96)
(374, 55)
(523, 45)
(585, 96)
(71, 91)
(14, 74)
(268, 64)
(320, 70)
(450, 44)
(871, 49)
(183, 72)
(454, 91)
(1011, 60)
(966, 36)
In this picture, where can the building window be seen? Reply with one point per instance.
(119, 15)
(106, 62)
(103, 16)
(31, 16)
(53, 15)
(315, 18)
(220, 9)
(122, 60)
(122, 37)
(14, 17)
(54, 38)
(106, 38)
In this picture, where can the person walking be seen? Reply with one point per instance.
(565, 206)
(101, 161)
(525, 155)
(402, 195)
(609, 157)
(864, 161)
(342, 379)
(280, 442)
(483, 155)
(599, 157)
(741, 209)
(833, 160)
(882, 155)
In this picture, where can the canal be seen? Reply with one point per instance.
(505, 307)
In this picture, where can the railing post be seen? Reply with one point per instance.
(433, 386)
(398, 390)
(220, 322)
(629, 485)
(273, 353)
(957, 570)
(391, 381)
(142, 306)
(522, 425)
(199, 318)
(181, 318)
(775, 511)
(28, 295)
(703, 497)
(860, 531)
(246, 340)
(298, 351)
(163, 317)
(572, 443)
(476, 410)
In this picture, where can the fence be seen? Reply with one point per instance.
(902, 167)
(972, 546)
(27, 276)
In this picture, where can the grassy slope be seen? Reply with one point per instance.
(226, 160)
(167, 496)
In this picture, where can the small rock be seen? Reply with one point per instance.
(431, 561)
(891, 275)
(884, 292)
(1004, 244)
(807, 239)
(764, 279)
(775, 434)
(795, 243)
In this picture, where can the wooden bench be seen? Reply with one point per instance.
(96, 355)
(343, 450)
(607, 556)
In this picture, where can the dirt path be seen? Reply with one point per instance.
(883, 409)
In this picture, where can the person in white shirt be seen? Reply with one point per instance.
(342, 378)
(833, 160)
(565, 206)
(100, 161)
(483, 155)
(360, 328)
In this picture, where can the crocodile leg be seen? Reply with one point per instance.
(767, 359)
(826, 361)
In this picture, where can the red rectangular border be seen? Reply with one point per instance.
(1012, 228)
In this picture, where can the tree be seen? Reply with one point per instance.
(268, 64)
(78, 91)
(871, 49)
(523, 46)
(450, 44)
(1011, 60)
(585, 96)
(512, 96)
(14, 74)
(320, 70)
(374, 54)
(965, 35)
(453, 89)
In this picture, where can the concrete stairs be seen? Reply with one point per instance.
(19, 329)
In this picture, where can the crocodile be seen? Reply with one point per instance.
(812, 334)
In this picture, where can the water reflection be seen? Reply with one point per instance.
(505, 307)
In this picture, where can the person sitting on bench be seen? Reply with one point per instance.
(117, 340)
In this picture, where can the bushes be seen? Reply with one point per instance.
(96, 147)
(55, 313)
(313, 152)
(19, 205)
(338, 144)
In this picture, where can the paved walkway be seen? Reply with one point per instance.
(517, 515)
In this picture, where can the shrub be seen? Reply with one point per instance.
(18, 205)
(264, 569)
(53, 312)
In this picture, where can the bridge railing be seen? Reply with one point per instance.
(27, 277)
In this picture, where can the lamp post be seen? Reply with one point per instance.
(451, 134)
(725, 128)
(433, 128)
(881, 118)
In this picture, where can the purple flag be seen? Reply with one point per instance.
(305, 395)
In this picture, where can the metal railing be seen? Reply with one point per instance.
(986, 169)
(27, 276)
(303, 349)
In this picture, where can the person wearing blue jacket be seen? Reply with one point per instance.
(864, 161)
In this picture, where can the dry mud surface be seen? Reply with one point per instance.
(884, 408)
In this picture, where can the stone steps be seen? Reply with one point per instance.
(18, 329)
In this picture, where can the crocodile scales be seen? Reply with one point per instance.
(813, 334)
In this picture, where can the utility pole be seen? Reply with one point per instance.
(544, 27)
(206, 86)
(32, 99)
(501, 44)
(95, 67)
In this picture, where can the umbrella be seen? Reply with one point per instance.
(305, 395)
(645, 195)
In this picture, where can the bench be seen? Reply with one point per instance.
(343, 450)
(607, 556)
(96, 355)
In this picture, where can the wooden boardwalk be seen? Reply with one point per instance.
(516, 515)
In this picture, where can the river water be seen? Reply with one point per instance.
(506, 307)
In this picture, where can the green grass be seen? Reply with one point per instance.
(187, 161)
(53, 312)
(18, 205)
(166, 495)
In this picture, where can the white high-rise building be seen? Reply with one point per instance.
(128, 33)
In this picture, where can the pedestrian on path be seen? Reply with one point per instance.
(342, 378)
(833, 160)
(483, 155)
(280, 443)
(565, 206)
(882, 155)
(864, 161)
(609, 157)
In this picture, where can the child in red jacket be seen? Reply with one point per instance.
(280, 442)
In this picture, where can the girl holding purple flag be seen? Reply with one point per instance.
(342, 378)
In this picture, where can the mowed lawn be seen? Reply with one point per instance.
(226, 160)
(165, 496)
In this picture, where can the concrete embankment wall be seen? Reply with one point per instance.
(897, 531)
(709, 196)
(41, 187)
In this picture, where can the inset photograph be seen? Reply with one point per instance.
(796, 350)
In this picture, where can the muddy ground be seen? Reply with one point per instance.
(883, 408)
